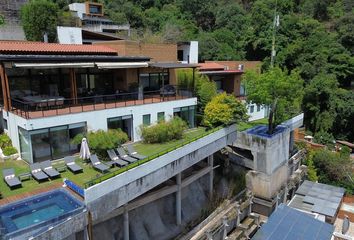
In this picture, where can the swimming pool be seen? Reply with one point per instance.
(38, 211)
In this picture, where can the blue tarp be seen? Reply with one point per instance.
(287, 223)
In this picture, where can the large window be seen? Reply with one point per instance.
(92, 82)
(124, 122)
(49, 143)
(153, 81)
(51, 82)
(187, 114)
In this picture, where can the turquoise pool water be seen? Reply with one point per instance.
(38, 215)
(38, 211)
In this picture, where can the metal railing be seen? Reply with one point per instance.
(149, 158)
(61, 106)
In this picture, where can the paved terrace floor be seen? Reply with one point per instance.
(86, 107)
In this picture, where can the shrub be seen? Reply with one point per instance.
(4, 141)
(9, 150)
(100, 141)
(204, 88)
(224, 109)
(163, 131)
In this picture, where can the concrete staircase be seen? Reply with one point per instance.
(245, 230)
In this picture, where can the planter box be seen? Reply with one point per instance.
(6, 158)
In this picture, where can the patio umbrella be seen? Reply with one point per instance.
(84, 150)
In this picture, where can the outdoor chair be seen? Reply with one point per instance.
(113, 156)
(37, 172)
(49, 170)
(133, 153)
(97, 164)
(123, 155)
(70, 163)
(11, 180)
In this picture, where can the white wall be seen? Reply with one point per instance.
(69, 35)
(95, 119)
(193, 52)
(190, 52)
(255, 115)
(80, 8)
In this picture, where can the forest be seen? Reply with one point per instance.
(314, 39)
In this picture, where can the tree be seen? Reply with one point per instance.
(39, 17)
(319, 103)
(281, 92)
(224, 109)
(334, 168)
(2, 20)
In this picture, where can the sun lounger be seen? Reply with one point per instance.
(133, 153)
(113, 156)
(97, 164)
(49, 170)
(123, 155)
(37, 172)
(11, 180)
(70, 163)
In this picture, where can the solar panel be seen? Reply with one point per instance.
(289, 224)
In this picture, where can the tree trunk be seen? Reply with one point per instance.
(271, 116)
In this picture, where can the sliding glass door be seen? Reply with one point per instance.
(49, 143)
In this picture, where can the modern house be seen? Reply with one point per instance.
(93, 19)
(52, 92)
(227, 76)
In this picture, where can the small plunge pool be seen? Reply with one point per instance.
(38, 211)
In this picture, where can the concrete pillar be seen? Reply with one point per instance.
(291, 141)
(209, 234)
(250, 206)
(179, 199)
(277, 201)
(211, 176)
(225, 225)
(126, 224)
(285, 194)
(238, 212)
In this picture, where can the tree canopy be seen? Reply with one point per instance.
(224, 109)
(39, 17)
(276, 89)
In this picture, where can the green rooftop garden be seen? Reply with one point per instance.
(242, 126)
(88, 174)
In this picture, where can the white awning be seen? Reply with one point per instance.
(53, 65)
(112, 65)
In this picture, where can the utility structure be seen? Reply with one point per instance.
(275, 28)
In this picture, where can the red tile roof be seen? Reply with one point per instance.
(40, 48)
(210, 66)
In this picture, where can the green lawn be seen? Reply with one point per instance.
(242, 126)
(88, 174)
(30, 185)
(150, 149)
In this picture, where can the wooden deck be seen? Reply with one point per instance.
(71, 109)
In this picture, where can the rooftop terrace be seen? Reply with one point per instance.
(89, 175)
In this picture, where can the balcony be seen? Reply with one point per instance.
(47, 106)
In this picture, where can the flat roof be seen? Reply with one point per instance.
(173, 65)
(318, 198)
(70, 58)
(222, 72)
(287, 223)
(26, 47)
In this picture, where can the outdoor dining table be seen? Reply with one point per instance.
(44, 101)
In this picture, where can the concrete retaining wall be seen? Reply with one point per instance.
(102, 198)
